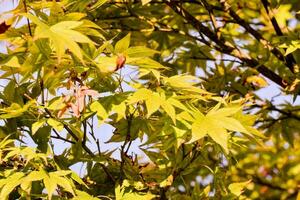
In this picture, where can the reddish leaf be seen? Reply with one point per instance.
(121, 59)
(3, 27)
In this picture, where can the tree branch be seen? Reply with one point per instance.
(225, 47)
(289, 58)
(28, 23)
(276, 52)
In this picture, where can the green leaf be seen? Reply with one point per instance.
(153, 103)
(101, 112)
(144, 2)
(120, 109)
(140, 51)
(206, 126)
(36, 125)
(123, 44)
(50, 185)
(55, 124)
(13, 62)
(76, 178)
(98, 4)
(224, 112)
(170, 110)
(176, 103)
(56, 104)
(11, 183)
(145, 63)
(32, 176)
(80, 195)
(64, 182)
(237, 188)
(61, 35)
(15, 110)
(65, 29)
(140, 95)
(229, 123)
(218, 134)
(106, 65)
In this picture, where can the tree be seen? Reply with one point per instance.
(180, 78)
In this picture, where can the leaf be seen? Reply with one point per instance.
(145, 63)
(12, 181)
(98, 4)
(13, 62)
(123, 44)
(50, 185)
(65, 28)
(140, 51)
(257, 81)
(205, 126)
(15, 110)
(184, 82)
(56, 104)
(36, 125)
(237, 188)
(140, 95)
(167, 182)
(224, 112)
(81, 195)
(153, 103)
(55, 124)
(106, 65)
(120, 109)
(176, 103)
(218, 134)
(230, 124)
(282, 14)
(101, 112)
(170, 110)
(76, 178)
(144, 2)
(64, 182)
(61, 35)
(32, 176)
(198, 130)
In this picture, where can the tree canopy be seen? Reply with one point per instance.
(179, 79)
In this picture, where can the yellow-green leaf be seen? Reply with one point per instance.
(144, 2)
(13, 62)
(123, 44)
(237, 188)
(55, 124)
(140, 51)
(170, 110)
(37, 125)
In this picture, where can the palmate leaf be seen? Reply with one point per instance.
(184, 82)
(10, 183)
(154, 101)
(237, 188)
(61, 35)
(216, 124)
(15, 110)
(123, 44)
(80, 195)
(144, 2)
(140, 51)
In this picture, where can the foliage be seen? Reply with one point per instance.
(177, 77)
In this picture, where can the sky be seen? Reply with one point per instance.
(104, 132)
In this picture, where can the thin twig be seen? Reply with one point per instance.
(28, 23)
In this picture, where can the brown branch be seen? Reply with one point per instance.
(289, 58)
(276, 52)
(28, 23)
(225, 47)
